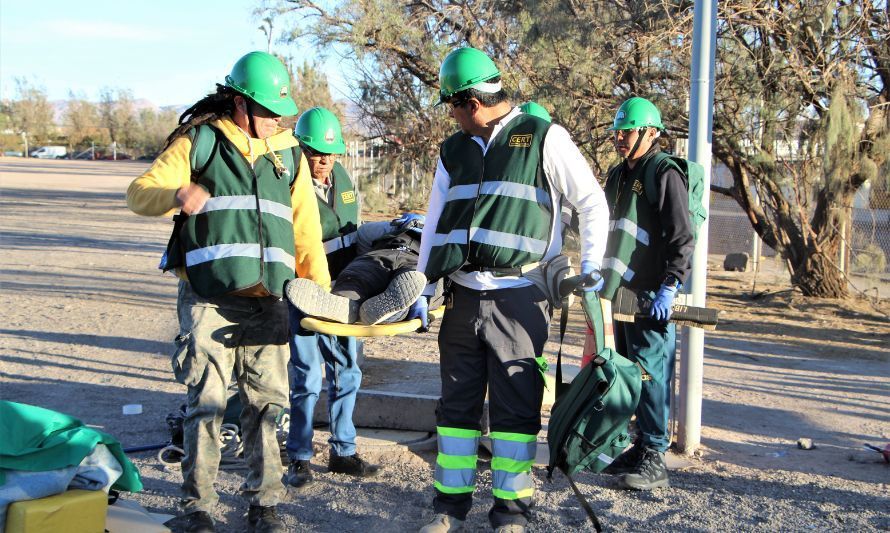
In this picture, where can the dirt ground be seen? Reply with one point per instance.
(88, 321)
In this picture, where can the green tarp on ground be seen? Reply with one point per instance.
(37, 439)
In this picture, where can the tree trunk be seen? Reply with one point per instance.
(818, 275)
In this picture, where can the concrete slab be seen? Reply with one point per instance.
(391, 410)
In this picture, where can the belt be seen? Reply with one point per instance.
(500, 271)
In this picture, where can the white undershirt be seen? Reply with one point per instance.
(569, 175)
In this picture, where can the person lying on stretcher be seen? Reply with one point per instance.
(376, 287)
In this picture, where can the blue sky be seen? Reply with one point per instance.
(165, 51)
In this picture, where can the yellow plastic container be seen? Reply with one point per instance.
(74, 511)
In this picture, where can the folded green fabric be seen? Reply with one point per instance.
(37, 439)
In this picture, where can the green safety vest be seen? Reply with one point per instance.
(498, 211)
(243, 237)
(339, 222)
(631, 246)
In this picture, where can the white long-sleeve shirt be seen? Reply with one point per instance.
(569, 175)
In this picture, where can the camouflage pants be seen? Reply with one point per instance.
(218, 336)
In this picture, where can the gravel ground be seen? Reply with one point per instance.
(87, 323)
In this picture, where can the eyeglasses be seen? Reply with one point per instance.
(315, 154)
(623, 134)
(455, 103)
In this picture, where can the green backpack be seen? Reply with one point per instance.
(692, 172)
(589, 420)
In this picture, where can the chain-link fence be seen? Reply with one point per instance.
(866, 235)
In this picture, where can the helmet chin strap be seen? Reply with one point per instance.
(250, 121)
(633, 150)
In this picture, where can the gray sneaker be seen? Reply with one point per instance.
(442, 523)
(311, 299)
(404, 289)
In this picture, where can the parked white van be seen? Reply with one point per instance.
(50, 152)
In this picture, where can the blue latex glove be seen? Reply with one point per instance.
(661, 305)
(591, 278)
(420, 309)
(408, 220)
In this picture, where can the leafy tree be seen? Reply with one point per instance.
(117, 113)
(30, 113)
(802, 108)
(310, 88)
(802, 121)
(152, 128)
(81, 123)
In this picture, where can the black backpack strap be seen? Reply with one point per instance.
(586, 506)
(563, 323)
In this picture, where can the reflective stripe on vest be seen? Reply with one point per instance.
(494, 238)
(513, 455)
(338, 243)
(623, 271)
(630, 227)
(222, 251)
(456, 462)
(220, 203)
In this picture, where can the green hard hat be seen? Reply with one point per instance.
(320, 130)
(464, 68)
(536, 109)
(265, 80)
(637, 113)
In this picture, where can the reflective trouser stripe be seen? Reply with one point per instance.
(513, 455)
(456, 462)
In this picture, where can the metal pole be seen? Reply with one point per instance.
(700, 120)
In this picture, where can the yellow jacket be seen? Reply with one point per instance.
(154, 193)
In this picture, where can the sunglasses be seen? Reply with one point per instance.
(315, 153)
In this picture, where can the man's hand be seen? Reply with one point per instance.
(664, 300)
(591, 278)
(420, 309)
(192, 198)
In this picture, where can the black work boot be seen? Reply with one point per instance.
(627, 461)
(650, 473)
(298, 474)
(198, 522)
(262, 519)
(352, 465)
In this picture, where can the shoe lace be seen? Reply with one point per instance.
(649, 464)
